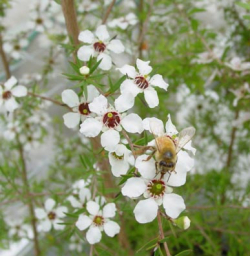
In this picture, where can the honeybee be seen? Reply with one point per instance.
(167, 149)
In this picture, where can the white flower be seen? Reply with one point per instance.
(155, 190)
(207, 57)
(80, 107)
(84, 70)
(99, 46)
(50, 216)
(40, 117)
(110, 122)
(140, 82)
(15, 48)
(86, 6)
(12, 129)
(84, 196)
(75, 243)
(9, 91)
(240, 93)
(39, 22)
(124, 22)
(31, 139)
(237, 64)
(78, 185)
(120, 160)
(97, 221)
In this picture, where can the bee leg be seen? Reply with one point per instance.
(150, 156)
(169, 175)
(143, 149)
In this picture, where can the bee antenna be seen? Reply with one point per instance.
(169, 176)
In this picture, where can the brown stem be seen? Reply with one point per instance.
(129, 142)
(4, 59)
(162, 233)
(105, 18)
(30, 200)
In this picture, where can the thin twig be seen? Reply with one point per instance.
(162, 233)
(105, 18)
(4, 59)
(129, 142)
(91, 250)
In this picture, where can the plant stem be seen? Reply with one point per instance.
(105, 18)
(4, 59)
(162, 233)
(30, 200)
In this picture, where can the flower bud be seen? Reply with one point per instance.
(84, 70)
(182, 222)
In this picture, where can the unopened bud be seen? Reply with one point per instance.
(182, 222)
(84, 70)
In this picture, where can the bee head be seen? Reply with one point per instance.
(168, 154)
(166, 164)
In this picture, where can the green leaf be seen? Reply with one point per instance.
(194, 24)
(195, 10)
(243, 5)
(153, 241)
(184, 253)
(163, 240)
(116, 86)
(75, 67)
(95, 66)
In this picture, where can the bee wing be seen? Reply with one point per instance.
(155, 129)
(184, 137)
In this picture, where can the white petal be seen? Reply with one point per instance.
(154, 125)
(146, 210)
(189, 147)
(46, 225)
(132, 123)
(83, 222)
(60, 211)
(11, 104)
(91, 127)
(170, 128)
(84, 195)
(94, 235)
(19, 91)
(128, 86)
(134, 187)
(110, 139)
(157, 80)
(111, 228)
(92, 92)
(40, 213)
(58, 226)
(151, 97)
(99, 105)
(124, 102)
(102, 33)
(106, 62)
(116, 46)
(74, 202)
(10, 83)
(143, 67)
(109, 210)
(71, 120)
(173, 205)
(128, 70)
(86, 36)
(93, 207)
(85, 52)
(146, 168)
(49, 204)
(70, 98)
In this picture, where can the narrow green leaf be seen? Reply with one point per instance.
(243, 5)
(154, 240)
(95, 66)
(116, 85)
(195, 10)
(184, 253)
(163, 240)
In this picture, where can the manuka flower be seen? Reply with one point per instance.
(80, 107)
(138, 82)
(110, 122)
(9, 91)
(124, 22)
(97, 221)
(99, 45)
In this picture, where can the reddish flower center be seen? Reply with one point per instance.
(84, 109)
(141, 82)
(111, 119)
(51, 215)
(17, 47)
(39, 21)
(99, 47)
(98, 220)
(7, 95)
(156, 188)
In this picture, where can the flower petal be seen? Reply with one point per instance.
(109, 210)
(49, 204)
(85, 52)
(124, 102)
(145, 167)
(116, 46)
(86, 36)
(94, 235)
(91, 127)
(84, 195)
(102, 33)
(99, 105)
(60, 211)
(92, 93)
(106, 62)
(134, 187)
(19, 91)
(128, 70)
(83, 222)
(173, 205)
(70, 98)
(132, 123)
(146, 210)
(46, 225)
(74, 202)
(71, 120)
(151, 97)
(111, 228)
(170, 128)
(93, 207)
(143, 67)
(154, 125)
(110, 139)
(128, 86)
(11, 104)
(157, 80)
(40, 213)
(10, 83)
